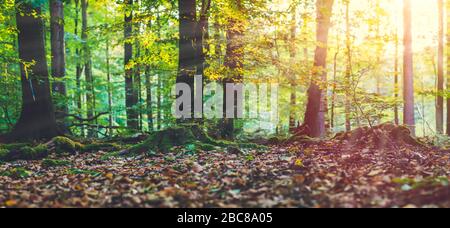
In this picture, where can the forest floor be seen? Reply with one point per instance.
(332, 173)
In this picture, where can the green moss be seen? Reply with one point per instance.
(34, 153)
(4, 153)
(16, 173)
(65, 145)
(184, 135)
(47, 163)
(14, 146)
(84, 172)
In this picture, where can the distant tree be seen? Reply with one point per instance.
(408, 73)
(440, 80)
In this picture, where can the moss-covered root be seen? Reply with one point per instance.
(62, 145)
(165, 140)
(24, 153)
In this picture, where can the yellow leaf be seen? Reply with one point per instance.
(11, 203)
(299, 163)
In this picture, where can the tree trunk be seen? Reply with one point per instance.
(234, 63)
(37, 119)
(187, 52)
(315, 112)
(87, 65)
(408, 73)
(440, 81)
(79, 67)
(148, 88)
(131, 98)
(396, 81)
(292, 75)
(58, 60)
(110, 90)
(448, 66)
(349, 70)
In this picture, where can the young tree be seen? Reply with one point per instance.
(315, 111)
(58, 58)
(37, 119)
(408, 73)
(440, 81)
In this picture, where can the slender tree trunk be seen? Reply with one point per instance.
(87, 65)
(110, 90)
(396, 81)
(293, 76)
(349, 68)
(58, 60)
(37, 119)
(79, 67)
(314, 115)
(408, 73)
(131, 99)
(148, 87)
(448, 66)
(159, 102)
(440, 80)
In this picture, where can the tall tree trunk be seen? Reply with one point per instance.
(408, 73)
(448, 66)
(131, 98)
(87, 65)
(187, 52)
(440, 81)
(58, 60)
(148, 87)
(110, 90)
(293, 75)
(37, 119)
(348, 70)
(396, 80)
(234, 63)
(315, 115)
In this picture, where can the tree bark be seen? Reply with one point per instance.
(87, 64)
(440, 80)
(315, 111)
(58, 60)
(79, 67)
(37, 119)
(234, 63)
(349, 68)
(396, 80)
(187, 52)
(293, 76)
(131, 98)
(408, 73)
